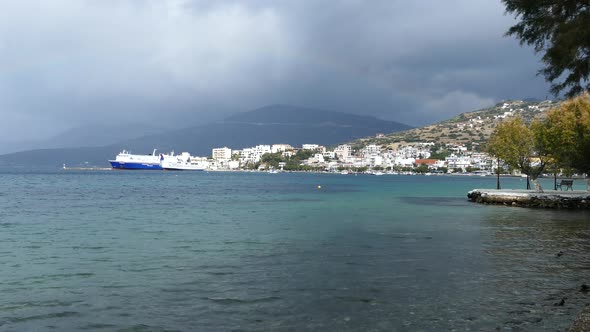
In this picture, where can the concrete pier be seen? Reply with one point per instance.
(551, 199)
(87, 168)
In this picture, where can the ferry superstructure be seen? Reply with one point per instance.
(182, 162)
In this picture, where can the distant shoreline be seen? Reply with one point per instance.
(317, 172)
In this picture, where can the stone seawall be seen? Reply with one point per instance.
(550, 199)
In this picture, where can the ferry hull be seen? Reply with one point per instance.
(127, 165)
(183, 169)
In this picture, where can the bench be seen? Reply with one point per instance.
(567, 183)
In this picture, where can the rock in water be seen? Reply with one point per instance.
(560, 303)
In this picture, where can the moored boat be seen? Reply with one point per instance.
(126, 160)
(182, 162)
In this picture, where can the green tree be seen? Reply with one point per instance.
(422, 168)
(560, 30)
(272, 159)
(440, 154)
(521, 147)
(568, 134)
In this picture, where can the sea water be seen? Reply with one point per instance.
(178, 251)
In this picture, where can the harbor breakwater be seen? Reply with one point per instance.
(551, 199)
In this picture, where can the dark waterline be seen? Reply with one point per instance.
(155, 251)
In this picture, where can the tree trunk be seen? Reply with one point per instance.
(537, 185)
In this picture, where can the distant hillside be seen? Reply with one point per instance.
(267, 125)
(87, 136)
(291, 115)
(100, 135)
(466, 128)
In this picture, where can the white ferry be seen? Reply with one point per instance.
(182, 162)
(126, 160)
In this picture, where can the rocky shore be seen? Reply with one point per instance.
(550, 199)
(582, 323)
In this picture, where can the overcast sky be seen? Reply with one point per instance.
(65, 63)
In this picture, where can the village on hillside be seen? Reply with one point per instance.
(453, 146)
(467, 128)
(411, 158)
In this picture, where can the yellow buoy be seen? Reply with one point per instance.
(319, 187)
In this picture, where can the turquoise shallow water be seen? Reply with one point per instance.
(165, 251)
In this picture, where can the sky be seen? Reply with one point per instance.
(69, 63)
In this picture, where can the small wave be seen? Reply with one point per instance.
(244, 242)
(145, 269)
(28, 304)
(215, 273)
(178, 290)
(101, 260)
(228, 301)
(221, 266)
(434, 201)
(88, 248)
(143, 328)
(37, 279)
(97, 326)
(115, 286)
(62, 314)
(182, 247)
(194, 282)
(81, 274)
(356, 299)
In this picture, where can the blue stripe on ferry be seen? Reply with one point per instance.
(119, 165)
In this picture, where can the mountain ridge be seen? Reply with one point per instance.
(288, 114)
(238, 131)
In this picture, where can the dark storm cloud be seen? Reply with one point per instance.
(67, 63)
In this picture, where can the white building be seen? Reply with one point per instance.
(329, 154)
(310, 146)
(371, 150)
(288, 153)
(253, 155)
(376, 160)
(455, 162)
(234, 164)
(404, 162)
(247, 156)
(317, 158)
(223, 153)
(440, 163)
(280, 148)
(343, 151)
(262, 149)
